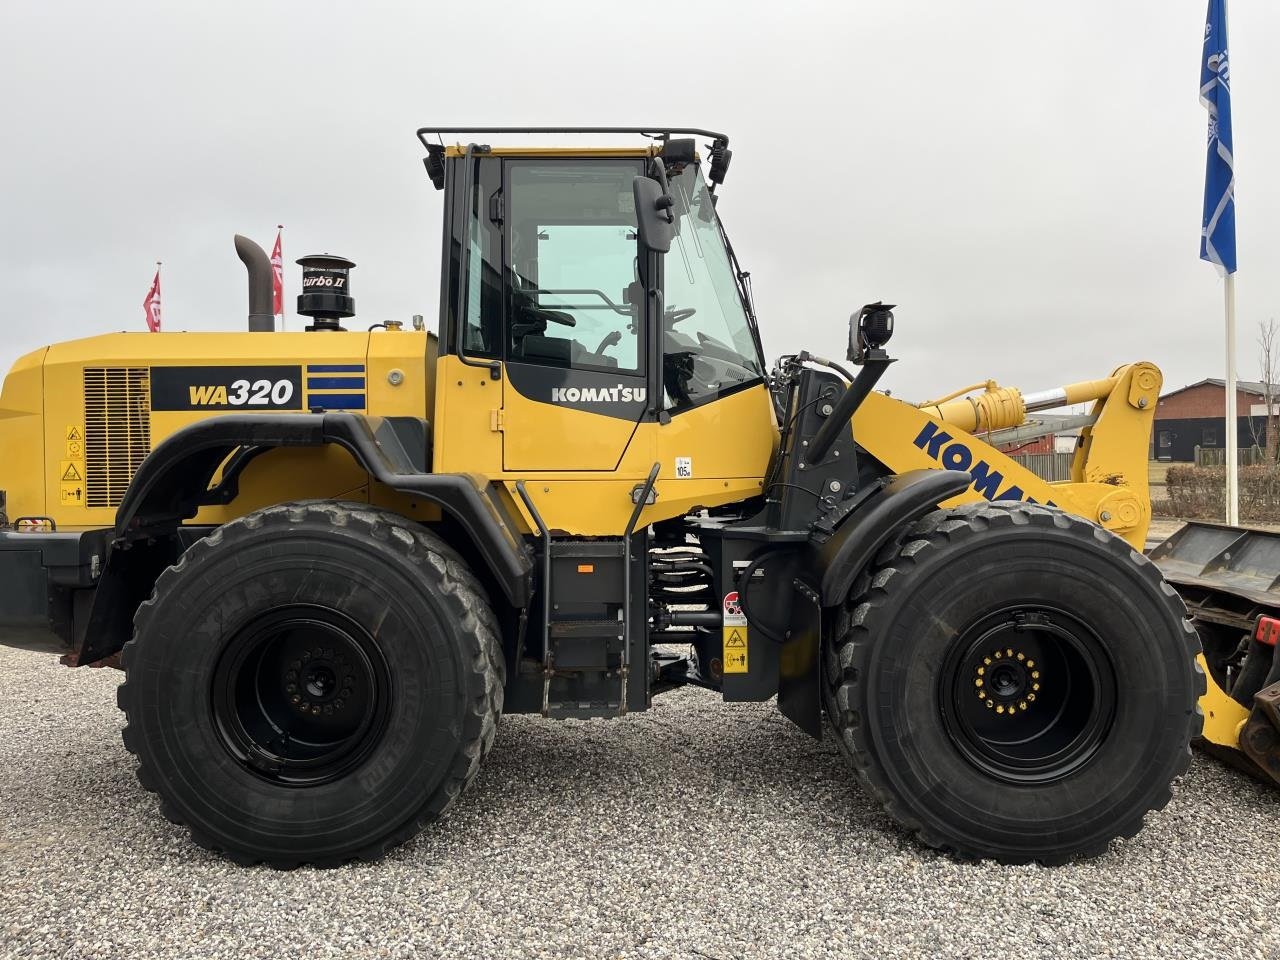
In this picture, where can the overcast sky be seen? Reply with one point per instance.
(1023, 179)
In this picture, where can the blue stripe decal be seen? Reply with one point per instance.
(335, 368)
(335, 383)
(336, 401)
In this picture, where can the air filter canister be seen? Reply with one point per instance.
(326, 290)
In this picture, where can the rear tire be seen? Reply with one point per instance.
(312, 683)
(1016, 683)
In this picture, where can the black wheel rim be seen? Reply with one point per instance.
(1028, 693)
(301, 695)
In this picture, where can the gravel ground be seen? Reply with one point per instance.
(699, 829)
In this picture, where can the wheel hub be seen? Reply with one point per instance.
(301, 695)
(1007, 681)
(320, 681)
(1027, 693)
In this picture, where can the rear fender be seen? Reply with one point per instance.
(174, 482)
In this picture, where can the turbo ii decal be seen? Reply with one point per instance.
(955, 454)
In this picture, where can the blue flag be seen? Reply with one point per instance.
(1218, 226)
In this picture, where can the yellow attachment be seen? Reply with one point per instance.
(994, 409)
(1087, 390)
(1223, 717)
(1108, 482)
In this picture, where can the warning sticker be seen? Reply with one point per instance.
(71, 494)
(74, 437)
(684, 467)
(733, 615)
(71, 471)
(735, 649)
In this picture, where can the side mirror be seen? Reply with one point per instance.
(653, 208)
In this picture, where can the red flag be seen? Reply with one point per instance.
(277, 273)
(152, 304)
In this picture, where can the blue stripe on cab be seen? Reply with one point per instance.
(335, 383)
(335, 368)
(335, 401)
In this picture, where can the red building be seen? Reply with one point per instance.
(1044, 444)
(1195, 416)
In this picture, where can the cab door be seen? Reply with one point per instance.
(573, 338)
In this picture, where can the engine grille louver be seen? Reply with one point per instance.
(117, 430)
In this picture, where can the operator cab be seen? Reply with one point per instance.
(577, 297)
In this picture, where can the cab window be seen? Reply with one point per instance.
(573, 262)
(482, 293)
(708, 347)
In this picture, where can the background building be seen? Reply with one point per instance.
(1195, 416)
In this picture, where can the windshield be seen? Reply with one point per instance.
(708, 344)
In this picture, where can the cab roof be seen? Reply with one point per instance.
(657, 134)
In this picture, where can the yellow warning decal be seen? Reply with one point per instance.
(74, 437)
(71, 471)
(735, 649)
(71, 494)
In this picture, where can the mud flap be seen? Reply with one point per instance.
(799, 680)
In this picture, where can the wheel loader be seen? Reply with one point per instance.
(329, 560)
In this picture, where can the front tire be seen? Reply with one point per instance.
(1015, 683)
(312, 683)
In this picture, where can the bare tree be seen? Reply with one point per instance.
(1268, 362)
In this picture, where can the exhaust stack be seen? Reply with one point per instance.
(262, 319)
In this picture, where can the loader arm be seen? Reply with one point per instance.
(1108, 482)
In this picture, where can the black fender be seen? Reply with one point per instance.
(834, 565)
(906, 497)
(172, 484)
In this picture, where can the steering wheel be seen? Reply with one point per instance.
(676, 314)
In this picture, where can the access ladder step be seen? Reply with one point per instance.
(585, 711)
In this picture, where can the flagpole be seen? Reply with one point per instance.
(1233, 452)
(284, 311)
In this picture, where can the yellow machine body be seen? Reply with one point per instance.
(55, 429)
(51, 422)
(65, 409)
(590, 489)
